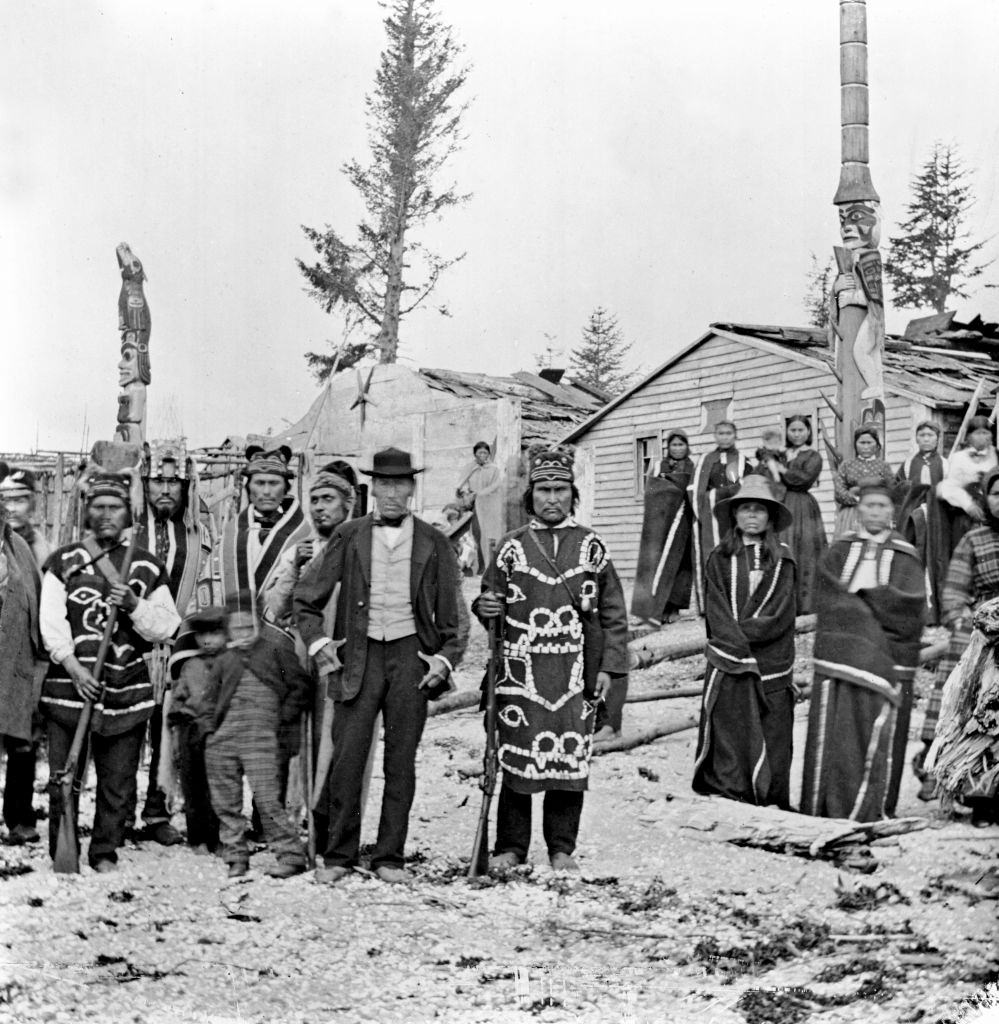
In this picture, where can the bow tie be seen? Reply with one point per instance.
(394, 523)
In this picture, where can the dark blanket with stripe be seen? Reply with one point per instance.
(664, 576)
(747, 712)
(866, 653)
(925, 523)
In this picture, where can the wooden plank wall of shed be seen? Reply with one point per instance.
(764, 388)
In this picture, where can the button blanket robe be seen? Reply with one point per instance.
(866, 653)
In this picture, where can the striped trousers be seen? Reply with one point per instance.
(246, 744)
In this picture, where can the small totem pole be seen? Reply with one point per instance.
(857, 317)
(135, 323)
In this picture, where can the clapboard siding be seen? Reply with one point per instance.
(764, 388)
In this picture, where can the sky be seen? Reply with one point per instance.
(673, 163)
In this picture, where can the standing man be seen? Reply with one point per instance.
(20, 657)
(870, 603)
(19, 496)
(82, 582)
(175, 531)
(565, 639)
(331, 500)
(716, 478)
(398, 623)
(272, 523)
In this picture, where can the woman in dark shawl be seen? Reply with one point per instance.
(747, 712)
(921, 519)
(806, 536)
(869, 613)
(665, 570)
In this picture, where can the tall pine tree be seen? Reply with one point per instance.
(599, 358)
(414, 126)
(933, 257)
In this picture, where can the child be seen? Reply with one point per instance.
(257, 684)
(771, 459)
(191, 716)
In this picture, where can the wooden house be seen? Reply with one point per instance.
(757, 376)
(438, 415)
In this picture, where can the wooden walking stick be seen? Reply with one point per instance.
(479, 864)
(307, 785)
(70, 779)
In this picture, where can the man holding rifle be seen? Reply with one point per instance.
(82, 583)
(565, 639)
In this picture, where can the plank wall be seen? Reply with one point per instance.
(762, 388)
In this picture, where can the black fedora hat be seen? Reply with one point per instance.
(392, 462)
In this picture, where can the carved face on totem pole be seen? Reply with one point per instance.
(133, 367)
(860, 224)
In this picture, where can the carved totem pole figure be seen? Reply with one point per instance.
(135, 324)
(857, 314)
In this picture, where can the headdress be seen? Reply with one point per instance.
(873, 485)
(754, 488)
(262, 460)
(392, 462)
(109, 485)
(332, 481)
(552, 465)
(18, 483)
(207, 620)
(166, 460)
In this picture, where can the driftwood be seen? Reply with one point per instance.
(660, 646)
(639, 739)
(714, 819)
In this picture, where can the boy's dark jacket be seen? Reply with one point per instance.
(274, 664)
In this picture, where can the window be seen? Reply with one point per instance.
(647, 450)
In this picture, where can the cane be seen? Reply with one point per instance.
(306, 762)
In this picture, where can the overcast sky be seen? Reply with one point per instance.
(672, 162)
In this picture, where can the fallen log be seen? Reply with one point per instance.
(639, 739)
(663, 646)
(715, 819)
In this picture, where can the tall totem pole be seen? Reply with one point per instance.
(135, 324)
(857, 315)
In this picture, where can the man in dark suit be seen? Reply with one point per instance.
(398, 623)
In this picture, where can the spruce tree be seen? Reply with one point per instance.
(599, 358)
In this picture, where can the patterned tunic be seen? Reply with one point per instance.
(564, 621)
(128, 692)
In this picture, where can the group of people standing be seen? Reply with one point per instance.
(915, 545)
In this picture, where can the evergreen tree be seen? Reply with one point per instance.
(599, 358)
(930, 262)
(414, 124)
(816, 302)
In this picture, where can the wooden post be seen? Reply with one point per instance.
(857, 313)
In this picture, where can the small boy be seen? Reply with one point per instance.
(191, 716)
(771, 459)
(256, 684)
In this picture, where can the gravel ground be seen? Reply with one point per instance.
(664, 925)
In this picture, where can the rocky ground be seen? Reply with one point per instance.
(666, 924)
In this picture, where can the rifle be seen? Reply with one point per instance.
(479, 864)
(70, 779)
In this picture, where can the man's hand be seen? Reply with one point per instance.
(603, 686)
(437, 671)
(327, 658)
(83, 682)
(976, 512)
(489, 605)
(303, 552)
(123, 597)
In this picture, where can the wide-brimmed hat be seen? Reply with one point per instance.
(754, 488)
(392, 462)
